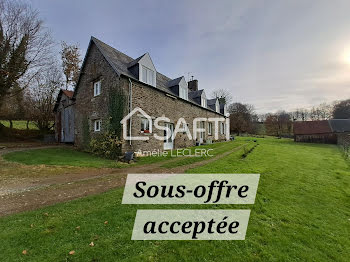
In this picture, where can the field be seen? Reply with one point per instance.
(301, 213)
(19, 124)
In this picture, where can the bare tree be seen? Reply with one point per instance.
(224, 96)
(70, 55)
(41, 98)
(278, 124)
(24, 46)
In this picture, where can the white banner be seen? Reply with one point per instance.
(191, 188)
(203, 224)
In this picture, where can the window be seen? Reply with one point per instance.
(203, 101)
(222, 128)
(148, 76)
(97, 88)
(183, 92)
(210, 128)
(144, 125)
(97, 125)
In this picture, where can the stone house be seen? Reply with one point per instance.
(112, 84)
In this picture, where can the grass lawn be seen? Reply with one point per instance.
(19, 124)
(301, 213)
(71, 157)
(60, 157)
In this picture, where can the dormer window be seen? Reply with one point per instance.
(203, 101)
(183, 92)
(148, 76)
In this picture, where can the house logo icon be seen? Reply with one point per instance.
(124, 122)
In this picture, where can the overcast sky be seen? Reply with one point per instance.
(272, 54)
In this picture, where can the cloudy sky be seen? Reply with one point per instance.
(272, 54)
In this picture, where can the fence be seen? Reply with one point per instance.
(344, 142)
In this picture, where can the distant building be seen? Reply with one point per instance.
(322, 131)
(64, 117)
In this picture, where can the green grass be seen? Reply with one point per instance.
(19, 124)
(218, 148)
(60, 157)
(177, 160)
(301, 213)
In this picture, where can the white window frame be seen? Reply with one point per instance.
(145, 122)
(203, 101)
(210, 128)
(222, 128)
(97, 88)
(97, 125)
(183, 92)
(148, 75)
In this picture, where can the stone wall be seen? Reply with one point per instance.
(158, 104)
(89, 108)
(329, 138)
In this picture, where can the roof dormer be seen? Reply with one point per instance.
(144, 69)
(203, 100)
(179, 87)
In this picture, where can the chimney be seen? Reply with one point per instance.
(193, 85)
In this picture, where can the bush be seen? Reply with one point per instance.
(107, 145)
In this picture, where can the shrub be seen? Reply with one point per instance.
(107, 145)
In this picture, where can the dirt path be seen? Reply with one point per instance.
(63, 187)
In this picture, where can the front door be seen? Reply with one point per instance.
(201, 137)
(169, 142)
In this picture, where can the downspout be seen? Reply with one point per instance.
(130, 107)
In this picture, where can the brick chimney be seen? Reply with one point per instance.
(193, 85)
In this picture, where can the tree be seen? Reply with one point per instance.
(24, 46)
(342, 110)
(70, 55)
(224, 96)
(12, 109)
(41, 98)
(278, 124)
(241, 117)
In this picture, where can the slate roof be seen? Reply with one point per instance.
(340, 125)
(194, 94)
(311, 127)
(134, 62)
(211, 101)
(121, 63)
(174, 82)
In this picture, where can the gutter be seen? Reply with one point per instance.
(130, 107)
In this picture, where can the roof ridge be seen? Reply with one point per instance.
(92, 37)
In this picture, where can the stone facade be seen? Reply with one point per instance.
(158, 104)
(153, 101)
(89, 107)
